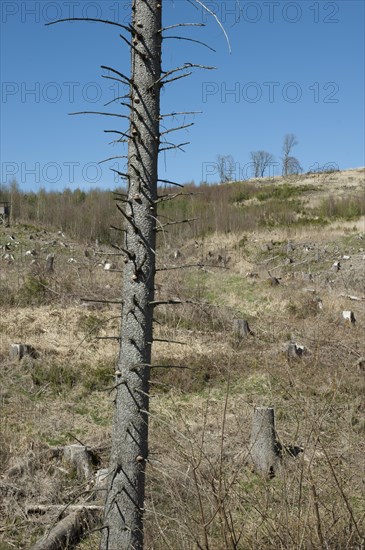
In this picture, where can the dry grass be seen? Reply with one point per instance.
(201, 489)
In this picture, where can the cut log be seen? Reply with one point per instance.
(241, 329)
(70, 530)
(18, 351)
(263, 445)
(80, 458)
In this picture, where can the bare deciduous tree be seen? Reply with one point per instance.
(226, 167)
(290, 164)
(261, 160)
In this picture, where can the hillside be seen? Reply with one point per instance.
(288, 256)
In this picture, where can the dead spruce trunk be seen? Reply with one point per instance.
(123, 516)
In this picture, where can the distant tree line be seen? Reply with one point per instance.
(261, 161)
(83, 215)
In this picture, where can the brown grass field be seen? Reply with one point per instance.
(202, 492)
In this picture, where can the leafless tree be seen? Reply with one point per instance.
(290, 164)
(123, 515)
(261, 160)
(226, 168)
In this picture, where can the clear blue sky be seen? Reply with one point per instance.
(294, 67)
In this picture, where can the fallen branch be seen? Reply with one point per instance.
(44, 508)
(350, 297)
(70, 530)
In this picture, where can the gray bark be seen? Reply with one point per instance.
(241, 329)
(123, 516)
(70, 530)
(49, 263)
(80, 458)
(263, 445)
(18, 351)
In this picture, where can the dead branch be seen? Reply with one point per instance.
(171, 183)
(121, 174)
(170, 196)
(70, 530)
(188, 220)
(169, 80)
(123, 76)
(182, 25)
(175, 129)
(183, 68)
(44, 508)
(169, 341)
(215, 17)
(99, 113)
(172, 146)
(189, 40)
(179, 113)
(106, 21)
(113, 158)
(172, 267)
(354, 298)
(102, 301)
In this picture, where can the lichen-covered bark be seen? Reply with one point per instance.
(123, 520)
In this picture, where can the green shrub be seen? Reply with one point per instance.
(58, 376)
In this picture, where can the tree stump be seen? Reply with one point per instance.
(263, 444)
(18, 351)
(241, 329)
(80, 458)
(295, 351)
(49, 263)
(348, 317)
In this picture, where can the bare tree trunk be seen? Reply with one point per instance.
(123, 516)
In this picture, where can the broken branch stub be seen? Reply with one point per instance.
(263, 444)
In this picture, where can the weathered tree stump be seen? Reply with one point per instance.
(50, 263)
(295, 350)
(273, 281)
(18, 351)
(80, 458)
(263, 444)
(348, 317)
(241, 329)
